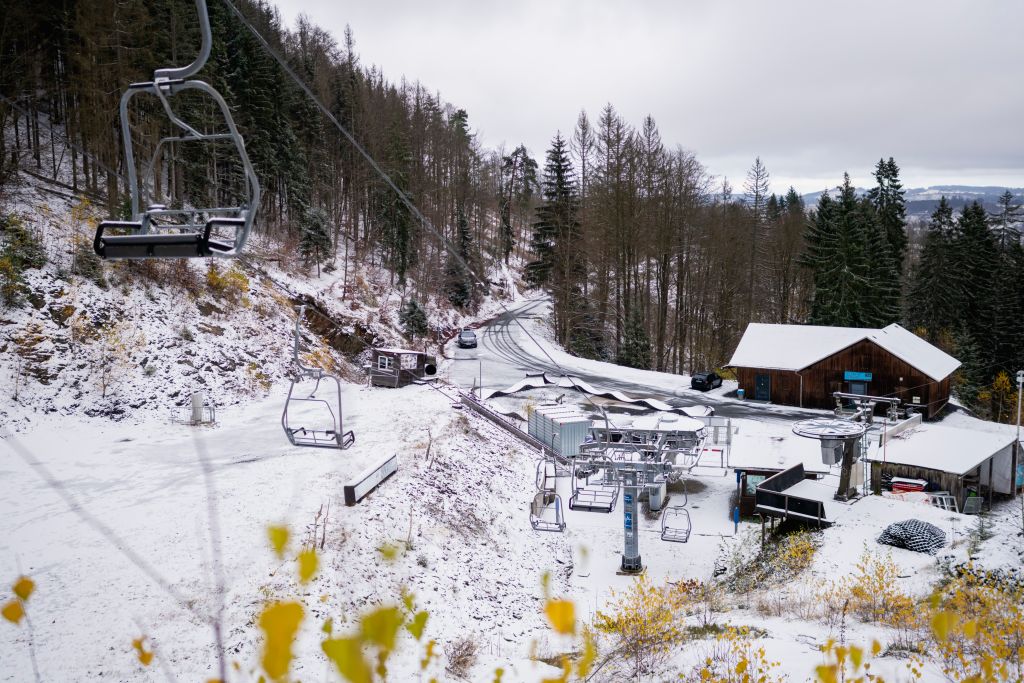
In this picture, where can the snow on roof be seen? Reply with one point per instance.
(755, 449)
(386, 350)
(915, 351)
(944, 448)
(795, 347)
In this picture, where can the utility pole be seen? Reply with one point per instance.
(1016, 444)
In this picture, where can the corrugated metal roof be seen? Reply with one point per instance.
(795, 347)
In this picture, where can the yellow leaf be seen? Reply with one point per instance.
(308, 563)
(145, 657)
(498, 673)
(347, 655)
(856, 656)
(428, 655)
(278, 536)
(586, 660)
(23, 588)
(562, 616)
(418, 623)
(388, 551)
(876, 647)
(943, 623)
(407, 600)
(381, 626)
(328, 627)
(741, 666)
(279, 623)
(826, 674)
(13, 611)
(970, 628)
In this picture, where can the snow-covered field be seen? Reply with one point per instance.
(466, 549)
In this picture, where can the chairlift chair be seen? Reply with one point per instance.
(593, 498)
(676, 524)
(546, 475)
(157, 231)
(331, 432)
(546, 512)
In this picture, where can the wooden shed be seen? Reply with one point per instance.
(959, 461)
(803, 365)
(399, 367)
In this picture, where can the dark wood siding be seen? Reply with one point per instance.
(891, 376)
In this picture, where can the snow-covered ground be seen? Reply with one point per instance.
(466, 548)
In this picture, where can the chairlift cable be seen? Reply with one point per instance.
(444, 241)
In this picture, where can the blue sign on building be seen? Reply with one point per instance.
(628, 518)
(627, 497)
(851, 376)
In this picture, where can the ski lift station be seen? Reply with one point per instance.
(805, 365)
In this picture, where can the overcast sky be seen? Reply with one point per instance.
(814, 88)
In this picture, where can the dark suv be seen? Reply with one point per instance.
(703, 381)
(467, 339)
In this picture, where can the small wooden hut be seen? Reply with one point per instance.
(399, 367)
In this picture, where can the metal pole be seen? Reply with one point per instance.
(631, 561)
(1016, 445)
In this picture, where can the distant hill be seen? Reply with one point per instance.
(921, 201)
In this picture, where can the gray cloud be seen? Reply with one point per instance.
(814, 88)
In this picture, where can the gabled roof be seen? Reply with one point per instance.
(795, 347)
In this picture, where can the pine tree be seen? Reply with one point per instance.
(973, 376)
(458, 279)
(756, 188)
(977, 262)
(891, 208)
(518, 180)
(557, 239)
(1007, 221)
(635, 351)
(835, 254)
(881, 295)
(413, 319)
(315, 237)
(937, 289)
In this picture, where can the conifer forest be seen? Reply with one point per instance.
(651, 261)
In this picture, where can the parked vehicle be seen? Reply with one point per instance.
(467, 339)
(705, 381)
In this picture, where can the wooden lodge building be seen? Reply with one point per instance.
(803, 365)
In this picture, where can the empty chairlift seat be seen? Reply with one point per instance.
(676, 524)
(156, 231)
(313, 419)
(546, 512)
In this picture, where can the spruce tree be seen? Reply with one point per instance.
(835, 254)
(881, 298)
(891, 209)
(458, 278)
(635, 351)
(1006, 223)
(315, 236)
(557, 239)
(977, 261)
(936, 287)
(413, 319)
